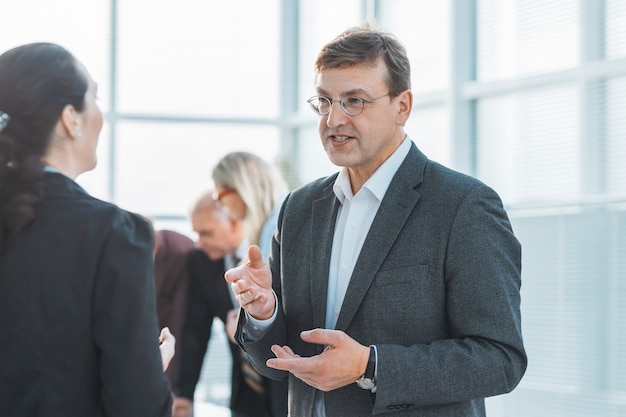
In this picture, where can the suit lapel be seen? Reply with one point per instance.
(394, 210)
(323, 232)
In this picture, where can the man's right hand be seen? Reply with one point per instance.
(182, 407)
(252, 285)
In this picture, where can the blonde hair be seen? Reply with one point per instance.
(258, 183)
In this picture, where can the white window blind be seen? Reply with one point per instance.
(615, 29)
(423, 26)
(529, 145)
(526, 37)
(616, 137)
(555, 149)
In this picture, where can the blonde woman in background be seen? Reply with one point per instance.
(252, 190)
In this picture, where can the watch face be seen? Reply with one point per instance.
(366, 383)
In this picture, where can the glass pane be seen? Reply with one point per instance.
(616, 137)
(615, 29)
(529, 145)
(80, 26)
(163, 168)
(525, 37)
(424, 28)
(180, 225)
(617, 373)
(572, 305)
(429, 129)
(96, 182)
(196, 57)
(318, 27)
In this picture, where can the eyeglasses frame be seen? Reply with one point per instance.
(341, 103)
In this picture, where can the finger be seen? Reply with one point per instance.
(284, 352)
(233, 274)
(286, 363)
(301, 367)
(288, 350)
(255, 257)
(251, 296)
(322, 336)
(165, 334)
(240, 285)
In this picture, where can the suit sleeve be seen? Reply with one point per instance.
(125, 323)
(259, 348)
(197, 327)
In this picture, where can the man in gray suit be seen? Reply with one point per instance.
(393, 286)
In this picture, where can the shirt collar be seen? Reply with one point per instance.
(378, 183)
(50, 169)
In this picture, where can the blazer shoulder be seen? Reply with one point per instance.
(67, 203)
(417, 168)
(314, 190)
(435, 181)
(436, 172)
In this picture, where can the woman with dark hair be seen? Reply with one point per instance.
(78, 325)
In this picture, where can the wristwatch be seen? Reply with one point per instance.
(367, 380)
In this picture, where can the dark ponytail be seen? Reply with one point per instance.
(36, 82)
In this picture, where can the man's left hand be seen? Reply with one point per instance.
(343, 361)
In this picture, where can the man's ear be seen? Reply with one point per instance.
(405, 105)
(70, 122)
(235, 223)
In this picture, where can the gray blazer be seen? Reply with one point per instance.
(436, 288)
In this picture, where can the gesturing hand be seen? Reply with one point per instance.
(343, 361)
(252, 285)
(167, 345)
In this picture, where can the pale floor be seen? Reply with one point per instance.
(206, 409)
(213, 389)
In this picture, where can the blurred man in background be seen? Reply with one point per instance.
(221, 244)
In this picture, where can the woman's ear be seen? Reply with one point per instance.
(70, 122)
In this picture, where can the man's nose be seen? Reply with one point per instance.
(336, 116)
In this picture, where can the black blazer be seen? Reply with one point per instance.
(208, 298)
(78, 327)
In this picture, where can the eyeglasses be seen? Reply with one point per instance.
(353, 106)
(226, 191)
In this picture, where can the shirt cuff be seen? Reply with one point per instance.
(254, 329)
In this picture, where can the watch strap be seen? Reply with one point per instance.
(370, 370)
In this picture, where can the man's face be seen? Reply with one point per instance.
(217, 237)
(363, 142)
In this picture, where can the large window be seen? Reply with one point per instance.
(527, 95)
(550, 137)
(179, 86)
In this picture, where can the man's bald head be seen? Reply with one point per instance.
(206, 202)
(218, 234)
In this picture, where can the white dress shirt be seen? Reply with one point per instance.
(354, 220)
